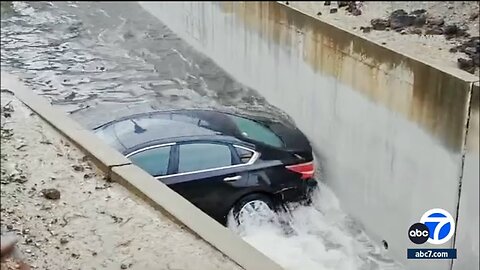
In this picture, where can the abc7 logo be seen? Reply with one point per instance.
(436, 226)
(418, 233)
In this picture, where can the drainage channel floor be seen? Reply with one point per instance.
(99, 61)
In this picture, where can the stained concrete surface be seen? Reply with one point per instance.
(388, 130)
(434, 49)
(468, 223)
(94, 224)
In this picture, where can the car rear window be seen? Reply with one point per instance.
(154, 161)
(201, 156)
(256, 131)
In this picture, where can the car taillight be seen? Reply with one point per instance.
(305, 169)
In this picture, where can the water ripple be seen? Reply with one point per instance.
(117, 54)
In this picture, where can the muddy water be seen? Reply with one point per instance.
(99, 61)
(102, 60)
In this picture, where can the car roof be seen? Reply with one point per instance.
(140, 129)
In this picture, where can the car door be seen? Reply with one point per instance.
(208, 174)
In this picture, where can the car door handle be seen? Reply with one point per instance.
(231, 179)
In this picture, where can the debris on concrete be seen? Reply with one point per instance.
(63, 241)
(51, 193)
(379, 24)
(78, 168)
(471, 48)
(427, 30)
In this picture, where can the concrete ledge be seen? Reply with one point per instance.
(102, 155)
(453, 71)
(141, 183)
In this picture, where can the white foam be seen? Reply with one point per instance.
(316, 237)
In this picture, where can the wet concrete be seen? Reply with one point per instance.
(388, 128)
(67, 216)
(466, 240)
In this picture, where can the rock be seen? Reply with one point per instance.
(63, 241)
(466, 64)
(380, 24)
(9, 227)
(78, 168)
(28, 241)
(356, 12)
(123, 266)
(21, 179)
(353, 9)
(319, 13)
(471, 48)
(51, 193)
(435, 21)
(418, 12)
(453, 30)
(333, 10)
(434, 31)
(327, 3)
(420, 20)
(400, 19)
(398, 12)
(470, 51)
(366, 29)
(343, 3)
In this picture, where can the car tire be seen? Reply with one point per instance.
(252, 204)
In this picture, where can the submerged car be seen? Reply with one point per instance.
(220, 162)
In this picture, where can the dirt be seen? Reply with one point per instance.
(65, 220)
(439, 33)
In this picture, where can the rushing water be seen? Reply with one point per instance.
(99, 61)
(102, 60)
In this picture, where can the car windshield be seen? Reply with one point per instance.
(256, 131)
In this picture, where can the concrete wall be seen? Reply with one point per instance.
(467, 238)
(388, 129)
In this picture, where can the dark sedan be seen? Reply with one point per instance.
(218, 161)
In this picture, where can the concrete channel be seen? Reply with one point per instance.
(393, 136)
(396, 136)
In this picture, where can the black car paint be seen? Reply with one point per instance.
(207, 189)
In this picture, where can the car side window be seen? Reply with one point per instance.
(200, 156)
(154, 161)
(244, 154)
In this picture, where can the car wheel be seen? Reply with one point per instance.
(254, 207)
